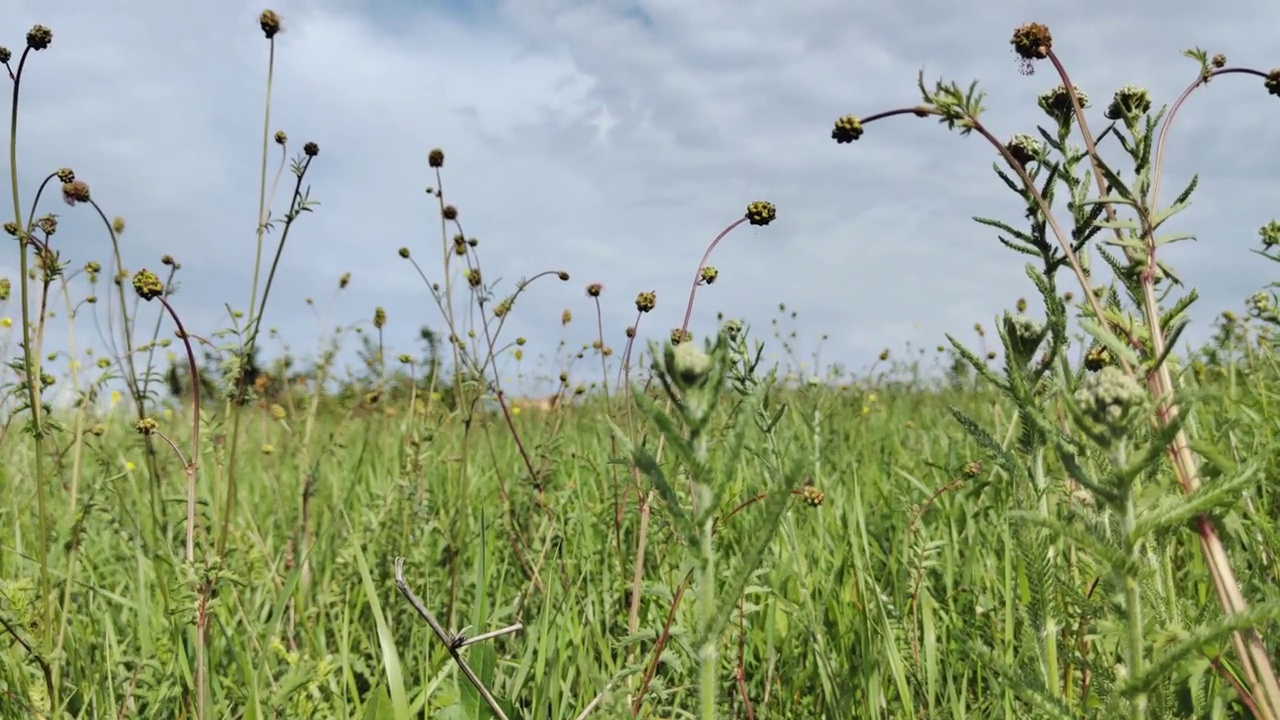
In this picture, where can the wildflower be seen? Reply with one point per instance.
(39, 37)
(646, 301)
(147, 426)
(1109, 398)
(269, 21)
(344, 281)
(435, 158)
(884, 354)
(847, 129)
(812, 496)
(379, 317)
(1270, 234)
(689, 364)
(708, 274)
(404, 253)
(971, 469)
(566, 317)
(5, 55)
(1056, 103)
(515, 409)
(1272, 83)
(65, 175)
(1096, 358)
(761, 213)
(129, 466)
(1024, 148)
(679, 336)
(562, 275)
(278, 411)
(268, 448)
(1129, 101)
(594, 290)
(450, 212)
(281, 137)
(12, 228)
(117, 225)
(473, 277)
(1219, 60)
(147, 285)
(75, 191)
(311, 149)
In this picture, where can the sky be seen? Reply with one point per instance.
(613, 140)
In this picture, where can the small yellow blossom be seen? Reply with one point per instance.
(6, 322)
(116, 397)
(515, 409)
(129, 466)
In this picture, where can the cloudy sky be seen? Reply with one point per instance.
(614, 140)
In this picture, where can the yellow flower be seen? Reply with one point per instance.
(115, 397)
(515, 409)
(168, 413)
(129, 466)
(6, 322)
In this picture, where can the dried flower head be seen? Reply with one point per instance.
(562, 275)
(631, 331)
(971, 469)
(269, 21)
(473, 277)
(117, 225)
(311, 149)
(884, 354)
(39, 37)
(146, 426)
(708, 274)
(566, 317)
(1218, 60)
(435, 158)
(66, 175)
(679, 336)
(12, 228)
(48, 224)
(847, 129)
(1129, 101)
(594, 290)
(5, 55)
(147, 285)
(761, 212)
(646, 301)
(1270, 234)
(1031, 42)
(75, 191)
(379, 317)
(281, 137)
(503, 307)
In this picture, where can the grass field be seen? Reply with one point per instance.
(1064, 521)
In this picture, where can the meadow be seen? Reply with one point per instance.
(1068, 515)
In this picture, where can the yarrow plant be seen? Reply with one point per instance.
(1128, 416)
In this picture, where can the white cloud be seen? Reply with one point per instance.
(614, 140)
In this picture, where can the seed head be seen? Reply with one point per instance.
(566, 317)
(66, 175)
(1218, 60)
(269, 21)
(971, 469)
(281, 137)
(147, 285)
(1129, 101)
(646, 301)
(311, 149)
(435, 158)
(5, 288)
(473, 277)
(450, 212)
(594, 290)
(1024, 148)
(117, 225)
(379, 317)
(631, 332)
(404, 253)
(884, 354)
(1273, 82)
(503, 307)
(1056, 103)
(75, 191)
(12, 228)
(1021, 305)
(1269, 233)
(147, 426)
(5, 55)
(708, 274)
(564, 276)
(39, 37)
(679, 336)
(761, 212)
(1031, 42)
(847, 129)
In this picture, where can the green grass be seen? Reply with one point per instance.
(1071, 523)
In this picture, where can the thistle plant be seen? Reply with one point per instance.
(1128, 414)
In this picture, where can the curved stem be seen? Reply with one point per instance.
(697, 275)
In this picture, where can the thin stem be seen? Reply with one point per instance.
(697, 274)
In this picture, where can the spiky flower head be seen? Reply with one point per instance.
(680, 336)
(1109, 398)
(404, 253)
(1024, 148)
(379, 317)
(344, 281)
(708, 274)
(1031, 42)
(594, 290)
(631, 331)
(812, 496)
(1272, 83)
(281, 137)
(450, 212)
(12, 228)
(1129, 101)
(75, 191)
(269, 21)
(117, 225)
(1218, 60)
(646, 301)
(1097, 357)
(1270, 234)
(39, 37)
(147, 426)
(847, 129)
(5, 55)
(147, 285)
(503, 307)
(971, 469)
(311, 149)
(435, 158)
(566, 317)
(66, 175)
(473, 277)
(761, 212)
(562, 275)
(1056, 103)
